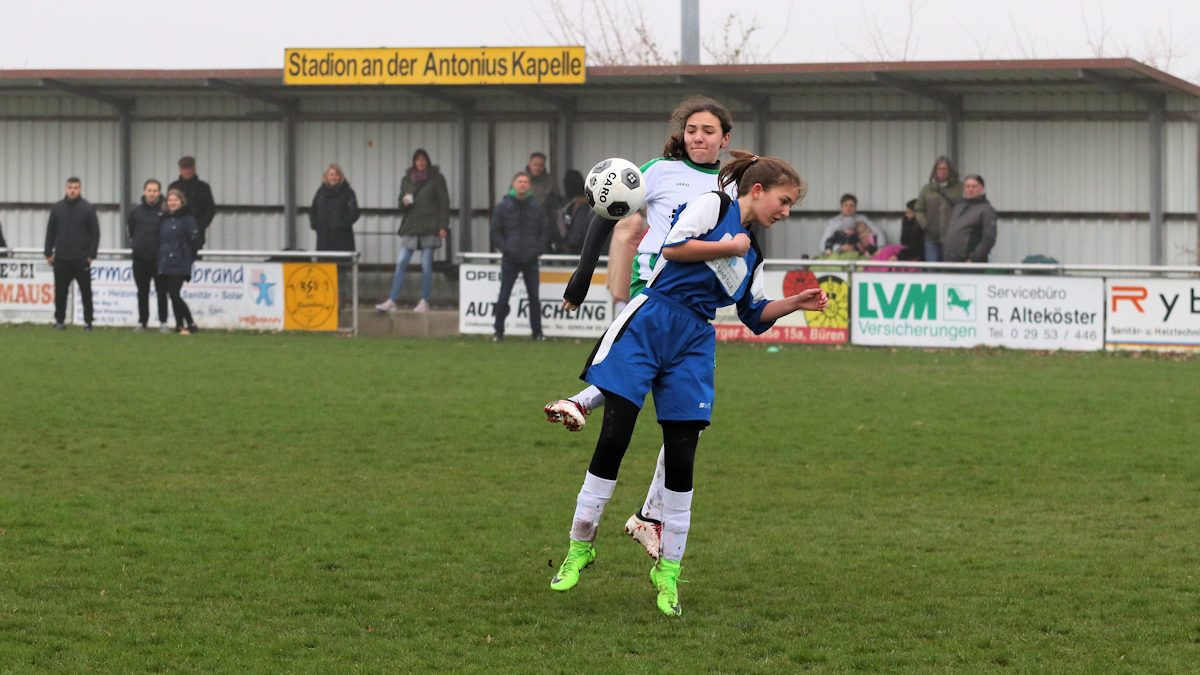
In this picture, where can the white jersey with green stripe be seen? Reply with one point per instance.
(669, 183)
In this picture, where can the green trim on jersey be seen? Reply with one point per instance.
(689, 162)
(637, 283)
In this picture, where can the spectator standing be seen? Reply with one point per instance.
(543, 186)
(197, 195)
(3, 244)
(72, 240)
(848, 219)
(971, 232)
(176, 254)
(143, 225)
(571, 223)
(937, 198)
(911, 236)
(332, 216)
(425, 205)
(520, 232)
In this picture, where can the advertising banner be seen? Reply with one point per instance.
(220, 295)
(1161, 314)
(830, 327)
(479, 286)
(310, 296)
(26, 291)
(960, 310)
(439, 65)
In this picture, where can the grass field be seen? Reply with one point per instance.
(305, 503)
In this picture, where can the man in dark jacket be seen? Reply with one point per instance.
(521, 233)
(971, 232)
(199, 195)
(72, 240)
(144, 227)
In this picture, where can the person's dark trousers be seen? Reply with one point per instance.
(66, 271)
(183, 314)
(508, 278)
(143, 271)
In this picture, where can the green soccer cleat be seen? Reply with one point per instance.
(580, 555)
(665, 577)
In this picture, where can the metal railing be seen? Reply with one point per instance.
(351, 257)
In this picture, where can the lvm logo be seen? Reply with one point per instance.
(916, 301)
(960, 303)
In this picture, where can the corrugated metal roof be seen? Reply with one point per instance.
(956, 78)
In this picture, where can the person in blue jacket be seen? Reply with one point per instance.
(179, 242)
(663, 342)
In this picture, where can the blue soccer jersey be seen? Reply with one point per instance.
(709, 285)
(662, 342)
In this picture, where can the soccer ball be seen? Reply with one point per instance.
(614, 188)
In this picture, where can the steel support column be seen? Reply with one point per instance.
(1156, 108)
(124, 110)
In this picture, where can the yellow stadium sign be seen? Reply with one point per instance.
(442, 65)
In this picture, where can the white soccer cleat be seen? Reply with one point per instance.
(571, 414)
(646, 533)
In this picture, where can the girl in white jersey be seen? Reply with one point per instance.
(688, 168)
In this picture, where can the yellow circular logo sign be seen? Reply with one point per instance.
(311, 296)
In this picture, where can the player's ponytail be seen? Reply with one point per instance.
(746, 169)
(675, 147)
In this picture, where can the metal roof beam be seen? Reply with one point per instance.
(459, 103)
(539, 95)
(752, 98)
(951, 102)
(88, 93)
(251, 93)
(1121, 87)
(944, 98)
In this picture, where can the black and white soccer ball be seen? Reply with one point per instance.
(614, 188)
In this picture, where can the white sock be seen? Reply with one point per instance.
(677, 519)
(652, 507)
(589, 506)
(589, 398)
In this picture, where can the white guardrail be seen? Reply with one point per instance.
(904, 303)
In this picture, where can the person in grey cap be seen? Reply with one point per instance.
(199, 195)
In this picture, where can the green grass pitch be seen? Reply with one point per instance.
(307, 503)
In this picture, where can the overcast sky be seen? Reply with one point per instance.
(253, 33)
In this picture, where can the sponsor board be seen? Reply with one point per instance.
(960, 310)
(220, 295)
(479, 286)
(310, 296)
(1162, 314)
(26, 291)
(830, 327)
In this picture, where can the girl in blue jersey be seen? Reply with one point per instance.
(688, 168)
(663, 343)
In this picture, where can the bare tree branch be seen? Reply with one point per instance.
(734, 43)
(880, 43)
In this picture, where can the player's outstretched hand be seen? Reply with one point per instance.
(812, 300)
(569, 306)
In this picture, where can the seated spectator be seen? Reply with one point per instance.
(866, 239)
(893, 253)
(848, 219)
